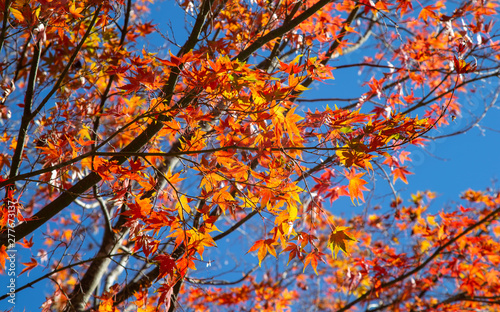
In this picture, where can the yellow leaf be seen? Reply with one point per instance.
(292, 211)
(337, 240)
(75, 12)
(431, 220)
(17, 14)
(301, 88)
(425, 246)
(262, 253)
(84, 132)
(356, 185)
(182, 205)
(37, 11)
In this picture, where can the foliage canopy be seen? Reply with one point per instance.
(134, 167)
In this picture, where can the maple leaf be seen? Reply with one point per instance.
(400, 173)
(376, 87)
(404, 6)
(313, 258)
(264, 246)
(74, 217)
(107, 305)
(166, 292)
(337, 240)
(492, 277)
(167, 265)
(3, 256)
(291, 121)
(17, 14)
(148, 245)
(4, 160)
(182, 206)
(174, 61)
(462, 67)
(26, 243)
(292, 68)
(29, 266)
(369, 5)
(428, 12)
(294, 251)
(199, 240)
(141, 208)
(145, 28)
(404, 156)
(75, 12)
(356, 184)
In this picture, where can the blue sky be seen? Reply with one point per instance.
(447, 166)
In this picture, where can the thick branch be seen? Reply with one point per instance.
(4, 23)
(280, 31)
(86, 183)
(110, 241)
(89, 282)
(28, 102)
(84, 289)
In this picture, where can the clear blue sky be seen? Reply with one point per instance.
(447, 166)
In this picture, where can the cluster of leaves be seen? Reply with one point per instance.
(407, 259)
(159, 156)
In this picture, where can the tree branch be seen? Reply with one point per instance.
(26, 119)
(280, 31)
(41, 278)
(66, 198)
(6, 14)
(436, 253)
(59, 81)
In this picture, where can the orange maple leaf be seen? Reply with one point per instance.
(404, 6)
(17, 14)
(29, 266)
(313, 259)
(3, 256)
(75, 12)
(294, 252)
(356, 184)
(264, 246)
(428, 12)
(400, 173)
(26, 243)
(106, 305)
